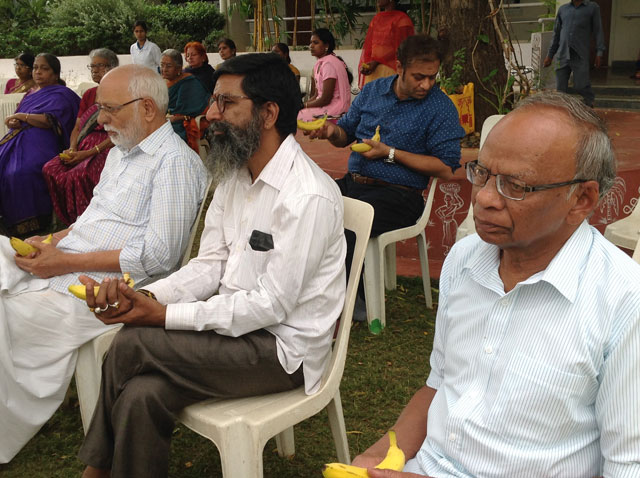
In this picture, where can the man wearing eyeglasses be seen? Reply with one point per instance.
(137, 222)
(537, 344)
(254, 312)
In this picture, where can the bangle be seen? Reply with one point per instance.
(27, 118)
(148, 293)
(97, 149)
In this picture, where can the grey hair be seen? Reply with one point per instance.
(175, 56)
(146, 83)
(111, 57)
(595, 159)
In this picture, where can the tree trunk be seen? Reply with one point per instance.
(461, 24)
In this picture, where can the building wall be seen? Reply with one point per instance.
(625, 22)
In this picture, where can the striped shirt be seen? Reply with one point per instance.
(294, 287)
(541, 381)
(145, 204)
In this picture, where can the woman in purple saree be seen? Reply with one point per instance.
(39, 129)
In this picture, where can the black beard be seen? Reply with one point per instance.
(232, 149)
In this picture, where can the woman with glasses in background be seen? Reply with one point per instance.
(24, 67)
(39, 129)
(187, 97)
(72, 175)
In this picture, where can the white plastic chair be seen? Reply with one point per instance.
(83, 87)
(240, 428)
(8, 105)
(636, 253)
(626, 231)
(380, 262)
(90, 355)
(468, 227)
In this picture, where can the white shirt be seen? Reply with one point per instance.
(295, 290)
(541, 381)
(149, 55)
(145, 204)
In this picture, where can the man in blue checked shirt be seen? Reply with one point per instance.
(137, 222)
(420, 137)
(534, 369)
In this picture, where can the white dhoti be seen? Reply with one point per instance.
(40, 333)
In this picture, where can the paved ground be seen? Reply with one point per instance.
(624, 130)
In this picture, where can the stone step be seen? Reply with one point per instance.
(631, 102)
(616, 90)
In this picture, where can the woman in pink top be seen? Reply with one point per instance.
(331, 89)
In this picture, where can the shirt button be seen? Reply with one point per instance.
(505, 302)
(488, 349)
(452, 437)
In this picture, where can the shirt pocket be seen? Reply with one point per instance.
(251, 266)
(537, 404)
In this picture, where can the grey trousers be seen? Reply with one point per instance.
(581, 77)
(151, 373)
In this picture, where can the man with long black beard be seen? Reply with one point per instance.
(254, 313)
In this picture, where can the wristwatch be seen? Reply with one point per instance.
(391, 157)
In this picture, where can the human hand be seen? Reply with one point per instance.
(547, 62)
(598, 61)
(378, 149)
(76, 157)
(368, 459)
(325, 132)
(118, 303)
(12, 122)
(48, 261)
(368, 68)
(375, 473)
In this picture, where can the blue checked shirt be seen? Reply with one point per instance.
(428, 126)
(541, 381)
(145, 204)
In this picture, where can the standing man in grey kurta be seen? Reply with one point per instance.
(576, 23)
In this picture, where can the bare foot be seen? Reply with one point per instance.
(91, 472)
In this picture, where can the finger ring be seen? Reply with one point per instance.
(99, 310)
(115, 305)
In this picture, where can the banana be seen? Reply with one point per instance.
(80, 290)
(394, 460)
(25, 249)
(312, 125)
(64, 156)
(364, 147)
(395, 456)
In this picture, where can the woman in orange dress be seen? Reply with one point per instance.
(386, 31)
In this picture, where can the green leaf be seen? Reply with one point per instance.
(484, 38)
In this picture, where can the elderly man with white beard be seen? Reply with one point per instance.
(254, 312)
(137, 222)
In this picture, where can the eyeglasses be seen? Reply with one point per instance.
(508, 186)
(222, 100)
(97, 66)
(112, 110)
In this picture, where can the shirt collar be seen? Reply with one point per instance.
(152, 143)
(275, 171)
(563, 272)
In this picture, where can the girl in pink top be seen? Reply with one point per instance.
(331, 89)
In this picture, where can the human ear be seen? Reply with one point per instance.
(587, 198)
(270, 112)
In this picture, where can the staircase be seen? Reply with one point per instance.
(614, 89)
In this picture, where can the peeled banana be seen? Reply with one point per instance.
(364, 147)
(393, 461)
(312, 125)
(25, 249)
(80, 290)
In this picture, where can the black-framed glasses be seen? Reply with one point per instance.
(508, 186)
(223, 99)
(114, 109)
(97, 66)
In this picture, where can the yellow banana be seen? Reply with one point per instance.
(364, 147)
(393, 461)
(64, 156)
(312, 125)
(395, 456)
(25, 249)
(80, 290)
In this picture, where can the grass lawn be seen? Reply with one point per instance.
(381, 374)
